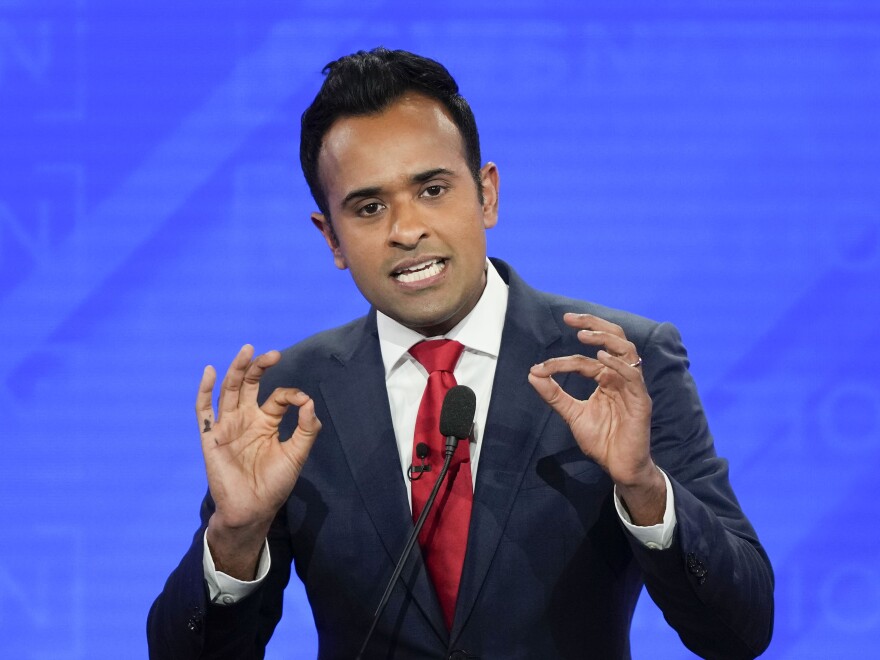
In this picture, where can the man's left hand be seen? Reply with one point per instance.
(613, 426)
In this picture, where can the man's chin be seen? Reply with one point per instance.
(430, 323)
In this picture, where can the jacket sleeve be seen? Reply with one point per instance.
(714, 585)
(183, 624)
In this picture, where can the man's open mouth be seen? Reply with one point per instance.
(420, 271)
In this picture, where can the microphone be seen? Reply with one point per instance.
(417, 470)
(457, 416)
(456, 422)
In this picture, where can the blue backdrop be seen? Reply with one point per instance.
(714, 164)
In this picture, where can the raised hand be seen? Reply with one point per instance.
(250, 472)
(613, 426)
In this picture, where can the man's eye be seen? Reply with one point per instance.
(371, 209)
(433, 191)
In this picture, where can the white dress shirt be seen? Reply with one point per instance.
(405, 380)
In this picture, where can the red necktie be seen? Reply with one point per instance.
(443, 538)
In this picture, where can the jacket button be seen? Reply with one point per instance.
(696, 567)
(194, 624)
(458, 655)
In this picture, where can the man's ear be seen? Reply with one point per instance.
(326, 229)
(489, 177)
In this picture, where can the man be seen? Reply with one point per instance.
(563, 515)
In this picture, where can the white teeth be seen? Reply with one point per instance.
(422, 272)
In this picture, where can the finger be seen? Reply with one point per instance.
(254, 372)
(596, 331)
(308, 421)
(307, 424)
(609, 371)
(619, 373)
(587, 367)
(612, 343)
(204, 407)
(591, 322)
(557, 398)
(299, 444)
(231, 385)
(276, 405)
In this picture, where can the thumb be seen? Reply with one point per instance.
(306, 432)
(557, 398)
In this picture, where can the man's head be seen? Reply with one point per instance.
(401, 205)
(366, 83)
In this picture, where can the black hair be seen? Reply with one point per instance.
(368, 82)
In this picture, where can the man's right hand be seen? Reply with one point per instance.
(250, 472)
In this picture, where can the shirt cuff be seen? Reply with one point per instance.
(224, 589)
(655, 537)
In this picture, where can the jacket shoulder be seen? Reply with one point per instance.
(526, 300)
(310, 358)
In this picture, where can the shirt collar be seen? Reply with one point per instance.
(479, 331)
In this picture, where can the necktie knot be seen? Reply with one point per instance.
(437, 354)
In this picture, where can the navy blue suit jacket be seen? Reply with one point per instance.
(549, 573)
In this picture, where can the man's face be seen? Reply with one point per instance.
(406, 215)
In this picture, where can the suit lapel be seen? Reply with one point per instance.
(357, 401)
(515, 421)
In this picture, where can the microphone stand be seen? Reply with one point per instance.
(451, 444)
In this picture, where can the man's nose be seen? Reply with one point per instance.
(408, 226)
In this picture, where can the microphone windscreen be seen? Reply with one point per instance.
(457, 413)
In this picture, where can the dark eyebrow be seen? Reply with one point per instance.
(361, 193)
(427, 175)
